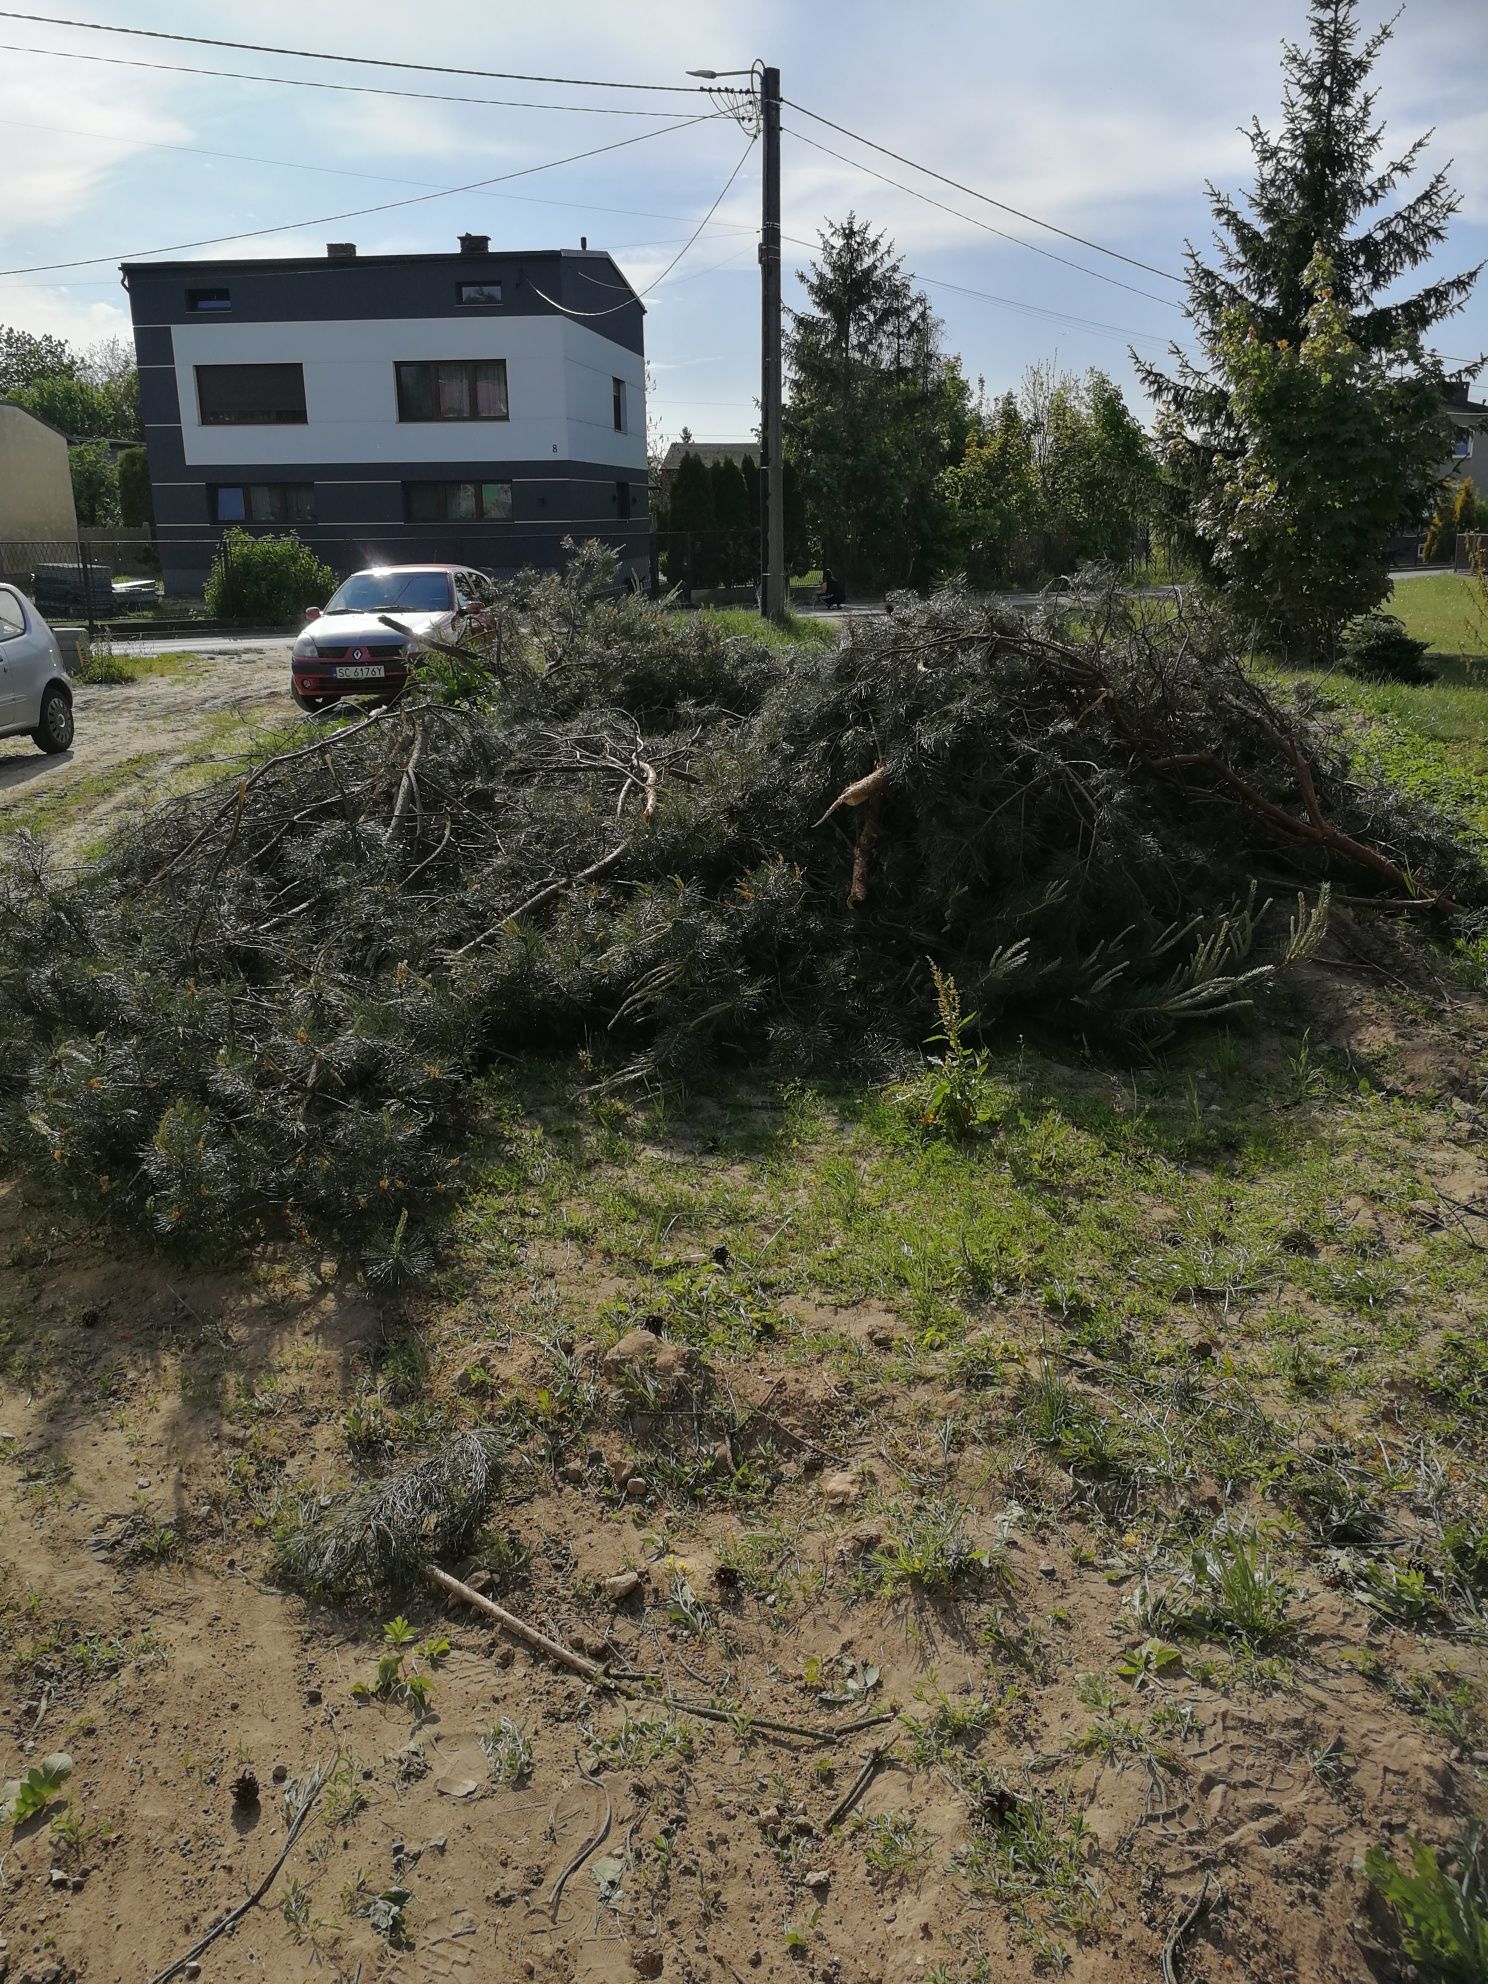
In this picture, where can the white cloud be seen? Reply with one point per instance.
(51, 178)
(82, 317)
(1464, 140)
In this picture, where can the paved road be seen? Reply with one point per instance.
(237, 647)
(275, 647)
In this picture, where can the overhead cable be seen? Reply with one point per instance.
(317, 83)
(971, 220)
(357, 213)
(1033, 220)
(636, 295)
(336, 55)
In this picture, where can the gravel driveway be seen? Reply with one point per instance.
(139, 742)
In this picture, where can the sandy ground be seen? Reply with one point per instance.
(135, 739)
(151, 1411)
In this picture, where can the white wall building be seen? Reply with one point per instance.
(467, 408)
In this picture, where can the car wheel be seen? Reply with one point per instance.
(312, 704)
(54, 732)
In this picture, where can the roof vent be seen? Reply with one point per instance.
(341, 251)
(475, 244)
(584, 243)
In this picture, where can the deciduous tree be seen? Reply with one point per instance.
(95, 484)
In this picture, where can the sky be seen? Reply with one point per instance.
(1102, 117)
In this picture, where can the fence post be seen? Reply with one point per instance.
(85, 576)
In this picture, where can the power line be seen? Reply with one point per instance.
(636, 295)
(357, 213)
(348, 172)
(324, 55)
(1039, 310)
(241, 158)
(986, 226)
(1033, 219)
(314, 83)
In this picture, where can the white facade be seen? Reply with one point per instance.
(558, 378)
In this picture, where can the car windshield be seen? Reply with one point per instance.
(378, 592)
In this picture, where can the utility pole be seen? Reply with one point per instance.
(772, 383)
(766, 107)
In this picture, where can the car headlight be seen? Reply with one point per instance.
(305, 649)
(412, 651)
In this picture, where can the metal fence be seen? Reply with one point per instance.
(72, 580)
(69, 580)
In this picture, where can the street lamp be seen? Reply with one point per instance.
(772, 477)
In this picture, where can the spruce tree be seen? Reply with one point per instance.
(877, 409)
(1323, 188)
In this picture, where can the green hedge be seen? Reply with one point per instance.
(266, 578)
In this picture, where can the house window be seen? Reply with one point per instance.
(202, 301)
(478, 295)
(622, 501)
(251, 395)
(617, 404)
(453, 389)
(1461, 442)
(457, 502)
(263, 503)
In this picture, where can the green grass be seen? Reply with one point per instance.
(1444, 610)
(43, 807)
(796, 631)
(1110, 1220)
(1429, 739)
(221, 744)
(107, 665)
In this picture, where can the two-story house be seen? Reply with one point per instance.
(470, 408)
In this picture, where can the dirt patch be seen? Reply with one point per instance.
(137, 740)
(147, 1415)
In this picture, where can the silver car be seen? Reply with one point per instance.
(35, 694)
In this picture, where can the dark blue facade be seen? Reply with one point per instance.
(360, 508)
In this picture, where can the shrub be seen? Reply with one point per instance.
(265, 578)
(1377, 646)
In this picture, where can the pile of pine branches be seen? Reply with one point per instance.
(259, 1007)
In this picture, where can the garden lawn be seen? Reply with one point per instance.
(1445, 610)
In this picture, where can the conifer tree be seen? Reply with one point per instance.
(1324, 187)
(733, 524)
(690, 522)
(877, 409)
